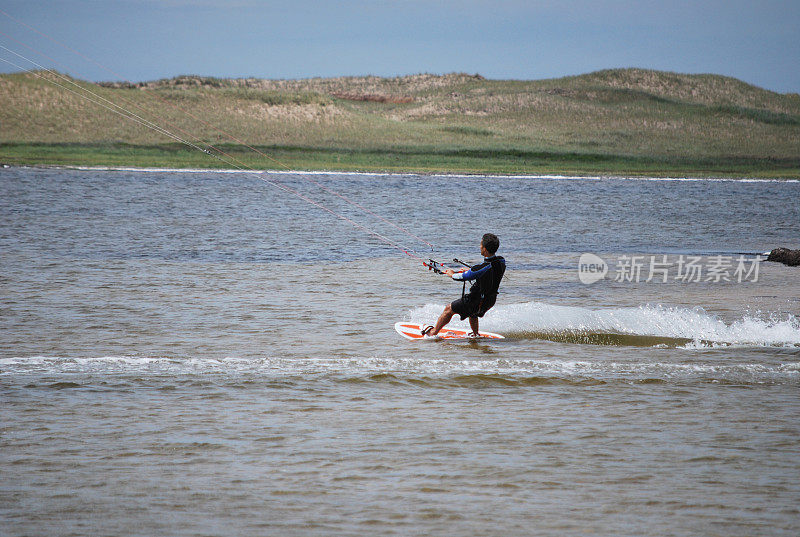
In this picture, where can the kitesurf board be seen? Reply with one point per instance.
(412, 331)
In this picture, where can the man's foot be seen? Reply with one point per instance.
(474, 335)
(427, 332)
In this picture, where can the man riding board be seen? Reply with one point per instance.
(483, 293)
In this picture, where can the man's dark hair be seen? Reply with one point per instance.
(491, 242)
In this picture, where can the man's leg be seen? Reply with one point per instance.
(444, 318)
(473, 323)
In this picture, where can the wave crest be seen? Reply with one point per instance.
(646, 325)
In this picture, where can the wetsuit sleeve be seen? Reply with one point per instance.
(471, 274)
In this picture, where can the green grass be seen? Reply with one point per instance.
(275, 98)
(460, 129)
(625, 121)
(416, 159)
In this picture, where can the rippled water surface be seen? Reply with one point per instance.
(204, 354)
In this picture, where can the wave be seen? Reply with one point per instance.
(646, 325)
(72, 372)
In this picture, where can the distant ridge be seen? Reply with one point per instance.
(706, 88)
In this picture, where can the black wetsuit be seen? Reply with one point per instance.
(483, 293)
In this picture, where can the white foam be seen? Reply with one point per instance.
(646, 320)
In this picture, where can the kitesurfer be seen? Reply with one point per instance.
(483, 292)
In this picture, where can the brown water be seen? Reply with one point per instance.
(200, 354)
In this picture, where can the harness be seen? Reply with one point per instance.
(496, 274)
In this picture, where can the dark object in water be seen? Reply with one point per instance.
(785, 256)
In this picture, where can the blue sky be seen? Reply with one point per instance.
(758, 42)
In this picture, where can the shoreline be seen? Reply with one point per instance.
(631, 177)
(394, 161)
(414, 159)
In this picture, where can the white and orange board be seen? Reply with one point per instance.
(412, 331)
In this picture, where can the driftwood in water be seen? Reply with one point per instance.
(785, 256)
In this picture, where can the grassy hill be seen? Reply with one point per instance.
(615, 121)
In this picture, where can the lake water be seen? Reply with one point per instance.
(202, 353)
